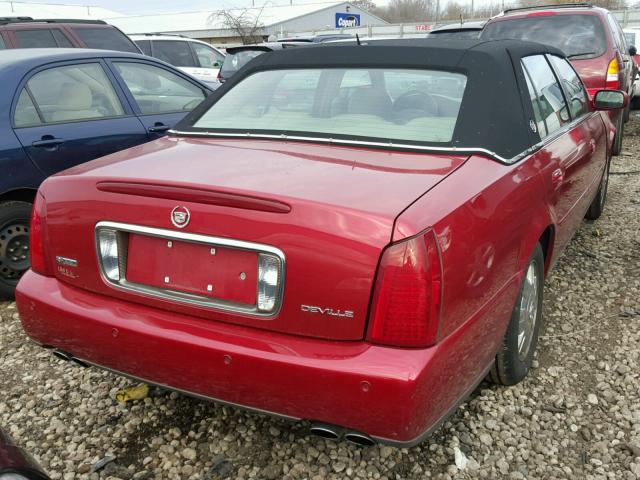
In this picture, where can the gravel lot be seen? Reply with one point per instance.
(576, 416)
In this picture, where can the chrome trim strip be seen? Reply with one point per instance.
(183, 297)
(402, 146)
(337, 141)
(190, 394)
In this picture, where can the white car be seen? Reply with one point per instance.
(197, 58)
(632, 36)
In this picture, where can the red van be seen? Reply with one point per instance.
(26, 32)
(589, 36)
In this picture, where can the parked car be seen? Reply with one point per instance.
(632, 36)
(590, 37)
(321, 38)
(25, 32)
(238, 57)
(329, 215)
(197, 58)
(458, 30)
(63, 107)
(17, 464)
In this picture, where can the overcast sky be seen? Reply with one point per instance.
(161, 6)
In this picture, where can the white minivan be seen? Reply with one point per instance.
(197, 58)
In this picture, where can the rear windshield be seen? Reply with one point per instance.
(106, 39)
(578, 36)
(234, 62)
(386, 104)
(457, 34)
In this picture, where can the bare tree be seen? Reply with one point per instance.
(407, 11)
(368, 5)
(244, 22)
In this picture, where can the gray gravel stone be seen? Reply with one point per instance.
(547, 427)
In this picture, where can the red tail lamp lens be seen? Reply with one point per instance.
(405, 310)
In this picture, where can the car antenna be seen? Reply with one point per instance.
(358, 39)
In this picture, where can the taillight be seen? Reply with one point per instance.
(37, 238)
(613, 75)
(405, 309)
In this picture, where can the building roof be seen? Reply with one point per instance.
(215, 20)
(50, 10)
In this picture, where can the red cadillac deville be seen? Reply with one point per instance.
(350, 235)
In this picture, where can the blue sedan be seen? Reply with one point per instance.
(63, 107)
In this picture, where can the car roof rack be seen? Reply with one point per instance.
(165, 35)
(542, 7)
(11, 20)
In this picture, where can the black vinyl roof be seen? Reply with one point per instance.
(493, 116)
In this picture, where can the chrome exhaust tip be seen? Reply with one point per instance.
(361, 439)
(324, 430)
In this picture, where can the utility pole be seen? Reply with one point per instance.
(472, 9)
(437, 11)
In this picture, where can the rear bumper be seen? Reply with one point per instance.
(394, 395)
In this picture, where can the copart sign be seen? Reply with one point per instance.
(347, 20)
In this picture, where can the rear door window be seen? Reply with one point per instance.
(573, 87)
(2, 45)
(207, 57)
(549, 99)
(174, 52)
(67, 94)
(105, 38)
(145, 46)
(61, 39)
(579, 36)
(40, 38)
(157, 90)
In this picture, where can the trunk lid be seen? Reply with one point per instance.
(329, 210)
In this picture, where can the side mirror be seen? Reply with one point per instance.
(610, 100)
(633, 50)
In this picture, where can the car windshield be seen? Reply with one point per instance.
(235, 61)
(578, 36)
(390, 104)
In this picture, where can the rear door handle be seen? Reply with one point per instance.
(47, 142)
(159, 128)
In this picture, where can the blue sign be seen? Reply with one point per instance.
(347, 20)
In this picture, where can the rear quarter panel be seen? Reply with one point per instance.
(487, 217)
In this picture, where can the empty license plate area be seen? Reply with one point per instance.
(211, 271)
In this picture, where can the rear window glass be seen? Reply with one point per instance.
(105, 39)
(177, 54)
(390, 104)
(1, 43)
(456, 34)
(234, 62)
(579, 36)
(41, 38)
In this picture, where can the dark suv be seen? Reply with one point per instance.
(589, 36)
(25, 32)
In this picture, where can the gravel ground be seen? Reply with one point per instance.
(576, 416)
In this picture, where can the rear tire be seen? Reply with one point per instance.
(14, 245)
(617, 140)
(597, 205)
(514, 358)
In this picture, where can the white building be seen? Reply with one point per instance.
(214, 27)
(50, 10)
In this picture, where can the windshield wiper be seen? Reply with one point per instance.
(580, 54)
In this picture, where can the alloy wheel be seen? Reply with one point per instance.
(528, 310)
